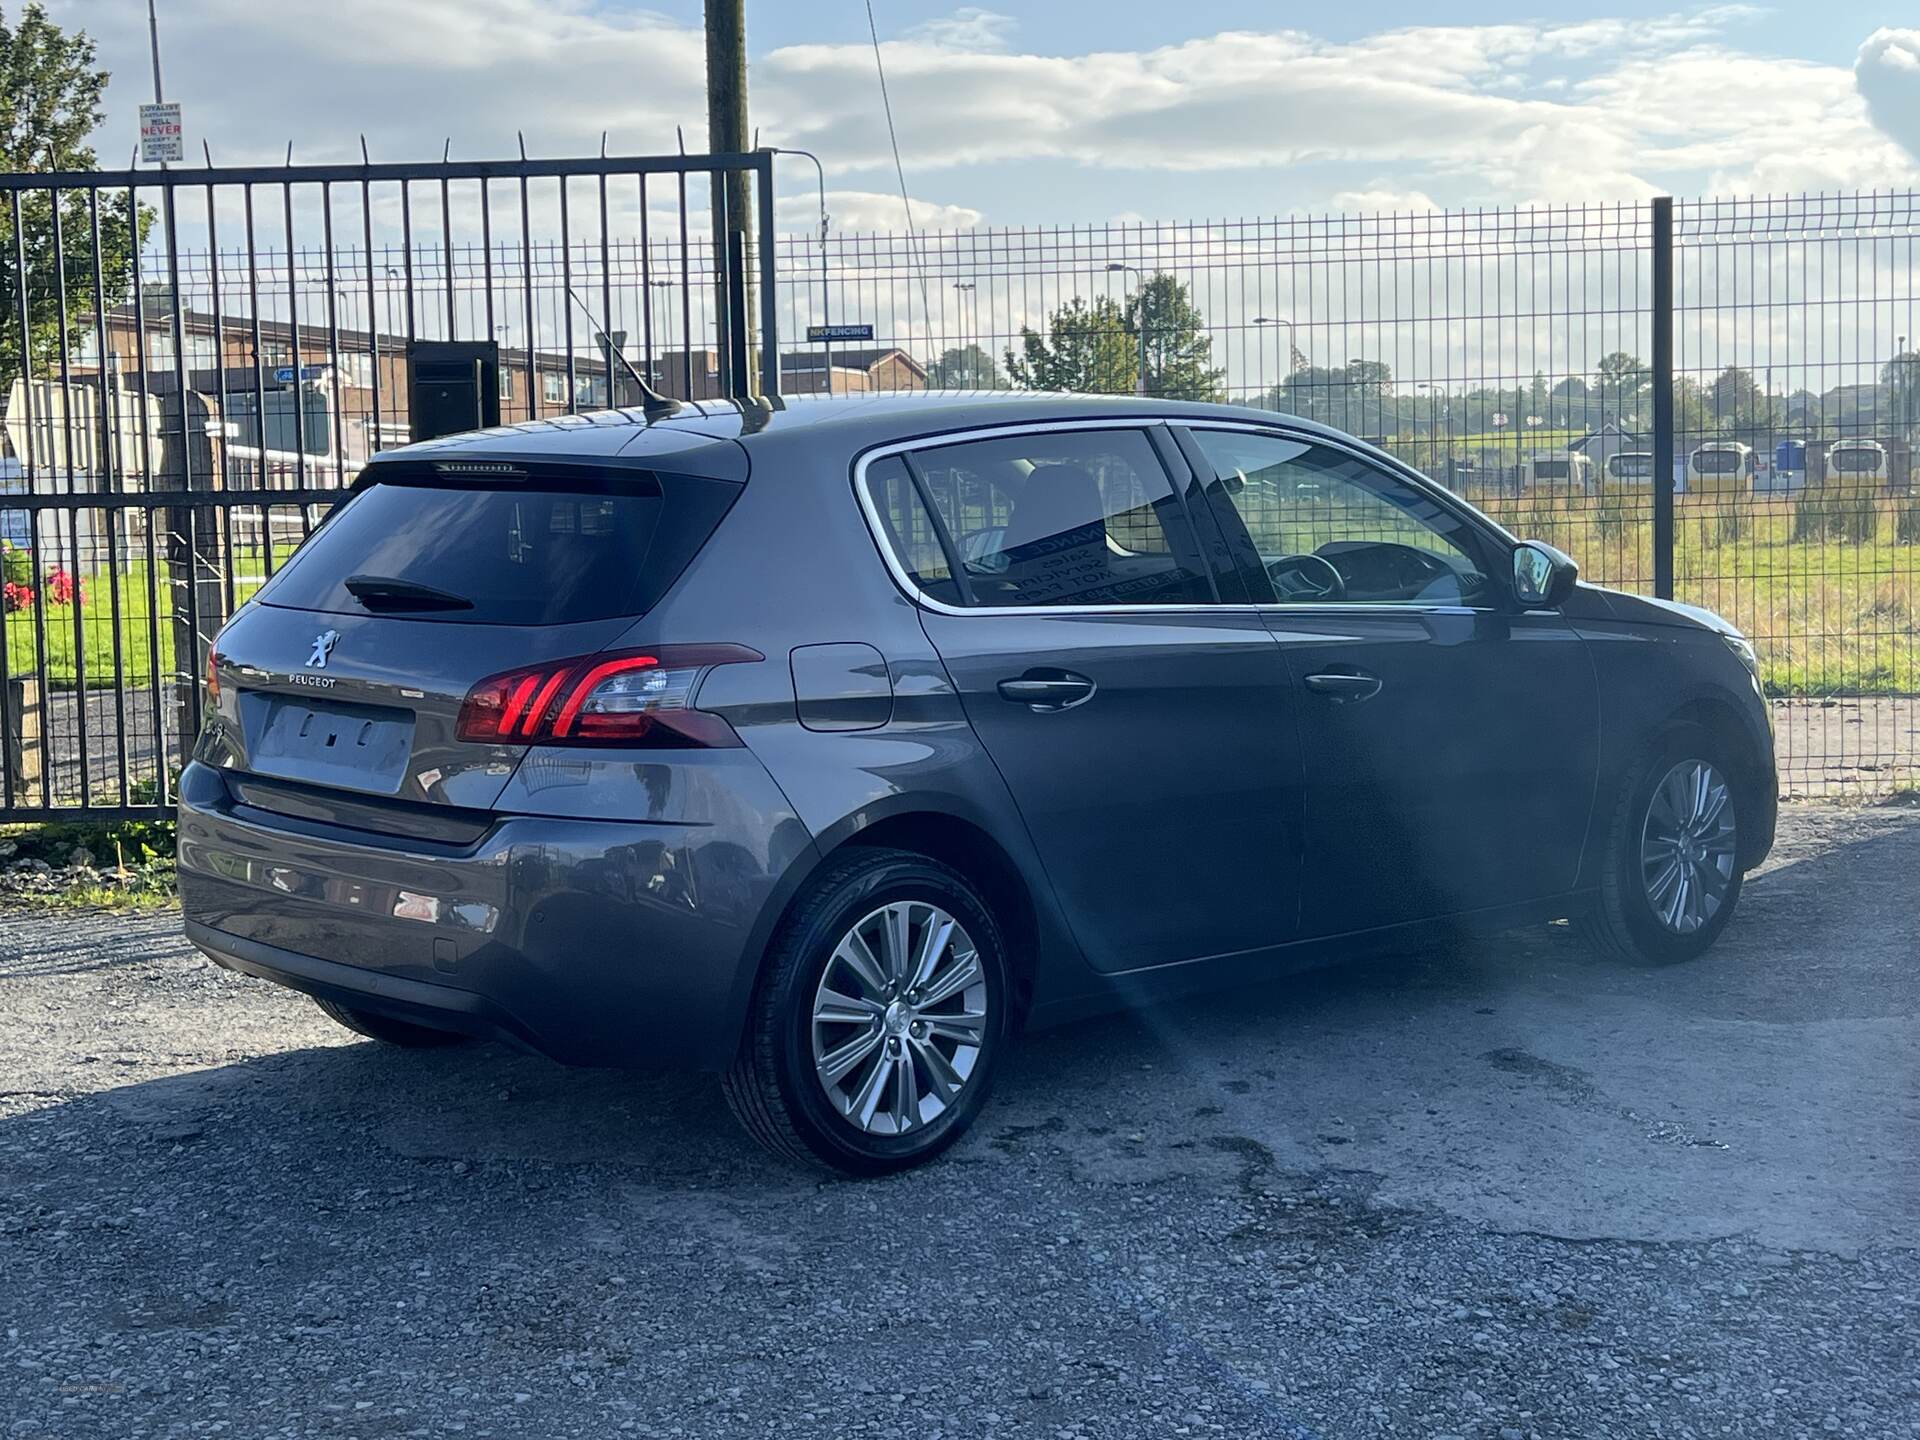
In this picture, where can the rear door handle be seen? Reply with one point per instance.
(1056, 691)
(1344, 687)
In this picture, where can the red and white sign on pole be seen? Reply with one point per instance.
(162, 141)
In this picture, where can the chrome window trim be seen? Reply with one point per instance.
(903, 579)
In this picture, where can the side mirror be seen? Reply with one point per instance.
(1542, 575)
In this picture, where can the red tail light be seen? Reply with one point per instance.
(213, 674)
(626, 697)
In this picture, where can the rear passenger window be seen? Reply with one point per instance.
(909, 530)
(1079, 517)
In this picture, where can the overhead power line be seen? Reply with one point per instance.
(913, 240)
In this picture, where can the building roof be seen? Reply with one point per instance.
(1607, 427)
(316, 335)
(870, 358)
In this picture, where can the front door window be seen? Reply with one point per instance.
(1320, 525)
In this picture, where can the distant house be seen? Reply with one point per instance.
(845, 372)
(1610, 439)
(695, 375)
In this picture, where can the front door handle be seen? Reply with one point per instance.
(1344, 687)
(1055, 690)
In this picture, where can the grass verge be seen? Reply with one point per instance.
(124, 866)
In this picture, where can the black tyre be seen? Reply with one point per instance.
(879, 1018)
(1670, 876)
(393, 1032)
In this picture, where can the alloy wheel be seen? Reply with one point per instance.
(899, 1018)
(1687, 846)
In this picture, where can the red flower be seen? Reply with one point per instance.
(16, 597)
(62, 588)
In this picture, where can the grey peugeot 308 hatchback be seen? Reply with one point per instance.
(827, 746)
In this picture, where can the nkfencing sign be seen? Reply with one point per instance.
(839, 332)
(162, 141)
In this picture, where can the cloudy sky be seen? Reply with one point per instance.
(1076, 109)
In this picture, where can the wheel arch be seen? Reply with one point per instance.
(948, 831)
(1753, 776)
(956, 841)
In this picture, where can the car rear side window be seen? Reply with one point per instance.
(1070, 517)
(909, 530)
(502, 554)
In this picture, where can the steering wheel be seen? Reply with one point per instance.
(1310, 577)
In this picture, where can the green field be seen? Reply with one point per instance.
(1828, 616)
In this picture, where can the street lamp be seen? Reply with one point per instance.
(1265, 320)
(1435, 389)
(392, 275)
(820, 176)
(657, 370)
(1140, 386)
(1903, 383)
(963, 288)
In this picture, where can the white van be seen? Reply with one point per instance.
(1858, 464)
(1557, 470)
(1720, 465)
(1630, 467)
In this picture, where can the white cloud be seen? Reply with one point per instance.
(1381, 200)
(1692, 113)
(1599, 108)
(870, 210)
(968, 28)
(1605, 108)
(251, 77)
(1887, 71)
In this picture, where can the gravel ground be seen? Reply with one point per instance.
(1504, 1191)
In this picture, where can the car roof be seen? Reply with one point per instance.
(701, 434)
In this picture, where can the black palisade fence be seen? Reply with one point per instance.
(194, 364)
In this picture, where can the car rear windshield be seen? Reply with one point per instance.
(498, 554)
(1717, 462)
(1856, 461)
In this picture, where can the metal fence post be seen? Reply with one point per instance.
(1663, 397)
(769, 279)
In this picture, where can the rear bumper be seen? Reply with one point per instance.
(442, 1006)
(595, 942)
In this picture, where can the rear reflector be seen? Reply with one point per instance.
(628, 697)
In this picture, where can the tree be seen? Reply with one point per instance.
(1738, 405)
(1179, 350)
(50, 90)
(1623, 389)
(1692, 413)
(1370, 379)
(965, 367)
(1098, 348)
(1569, 403)
(1537, 395)
(1087, 348)
(1356, 397)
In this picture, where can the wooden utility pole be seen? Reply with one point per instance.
(727, 134)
